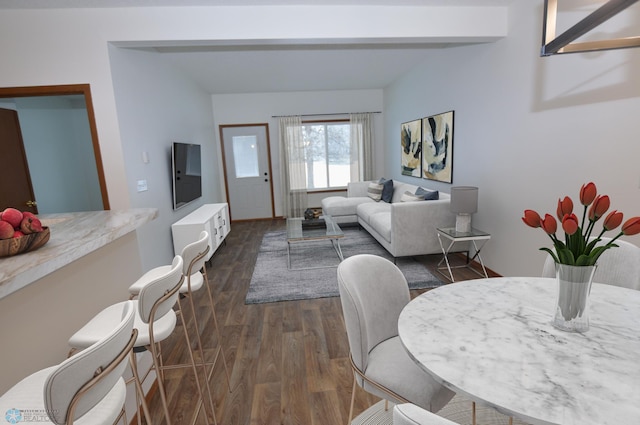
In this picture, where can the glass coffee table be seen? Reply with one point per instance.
(322, 229)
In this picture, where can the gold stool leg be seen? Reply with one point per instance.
(193, 363)
(215, 323)
(353, 397)
(158, 368)
(140, 399)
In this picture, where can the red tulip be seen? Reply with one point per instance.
(599, 207)
(531, 218)
(631, 226)
(570, 224)
(613, 220)
(587, 193)
(549, 224)
(565, 206)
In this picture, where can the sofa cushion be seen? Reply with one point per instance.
(381, 222)
(337, 206)
(387, 189)
(375, 191)
(428, 195)
(365, 211)
(411, 197)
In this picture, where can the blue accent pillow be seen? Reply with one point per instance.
(387, 189)
(429, 195)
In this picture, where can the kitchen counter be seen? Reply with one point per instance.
(73, 235)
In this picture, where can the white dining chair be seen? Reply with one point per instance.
(618, 266)
(155, 321)
(85, 389)
(373, 292)
(410, 414)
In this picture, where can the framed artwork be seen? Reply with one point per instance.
(411, 143)
(437, 147)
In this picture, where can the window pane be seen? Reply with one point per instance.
(245, 155)
(316, 155)
(327, 154)
(338, 145)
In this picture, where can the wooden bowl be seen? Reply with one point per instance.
(26, 243)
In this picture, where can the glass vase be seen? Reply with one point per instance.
(572, 303)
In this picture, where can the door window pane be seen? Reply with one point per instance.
(245, 154)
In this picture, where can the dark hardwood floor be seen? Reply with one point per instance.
(289, 361)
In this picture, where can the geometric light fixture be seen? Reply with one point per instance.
(552, 45)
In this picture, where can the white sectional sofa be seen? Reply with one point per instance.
(402, 228)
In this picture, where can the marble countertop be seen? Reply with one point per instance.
(492, 340)
(73, 235)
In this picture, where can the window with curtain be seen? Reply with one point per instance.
(321, 155)
(336, 152)
(327, 154)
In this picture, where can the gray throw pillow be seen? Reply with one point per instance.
(429, 195)
(387, 189)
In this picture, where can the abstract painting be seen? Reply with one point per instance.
(437, 147)
(411, 141)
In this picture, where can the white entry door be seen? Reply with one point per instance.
(247, 166)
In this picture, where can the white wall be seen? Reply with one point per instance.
(71, 46)
(262, 107)
(58, 145)
(528, 130)
(157, 106)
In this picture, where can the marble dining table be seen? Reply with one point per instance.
(492, 341)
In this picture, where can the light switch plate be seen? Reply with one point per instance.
(142, 185)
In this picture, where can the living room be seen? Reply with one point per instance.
(528, 129)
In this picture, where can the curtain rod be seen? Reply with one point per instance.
(317, 115)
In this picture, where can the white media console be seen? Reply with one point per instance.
(214, 218)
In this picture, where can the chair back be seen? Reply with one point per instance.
(194, 254)
(160, 295)
(373, 292)
(80, 382)
(410, 414)
(619, 266)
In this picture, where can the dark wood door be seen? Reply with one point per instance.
(15, 181)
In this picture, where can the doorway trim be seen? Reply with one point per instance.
(221, 128)
(61, 90)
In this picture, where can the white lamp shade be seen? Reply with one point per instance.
(464, 199)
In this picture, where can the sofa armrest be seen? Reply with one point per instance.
(413, 226)
(357, 189)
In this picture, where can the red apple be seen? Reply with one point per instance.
(28, 214)
(30, 225)
(13, 216)
(6, 230)
(18, 234)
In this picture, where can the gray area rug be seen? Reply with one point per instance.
(272, 281)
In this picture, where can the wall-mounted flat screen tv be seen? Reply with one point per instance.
(187, 176)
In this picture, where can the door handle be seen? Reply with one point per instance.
(266, 180)
(31, 204)
(265, 174)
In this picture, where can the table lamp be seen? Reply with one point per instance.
(464, 202)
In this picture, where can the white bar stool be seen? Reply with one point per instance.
(155, 320)
(85, 389)
(195, 272)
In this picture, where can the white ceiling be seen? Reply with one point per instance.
(221, 69)
(55, 4)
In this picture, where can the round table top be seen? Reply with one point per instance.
(492, 340)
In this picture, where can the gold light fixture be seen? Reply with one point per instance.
(563, 43)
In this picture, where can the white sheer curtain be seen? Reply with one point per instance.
(293, 166)
(361, 147)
